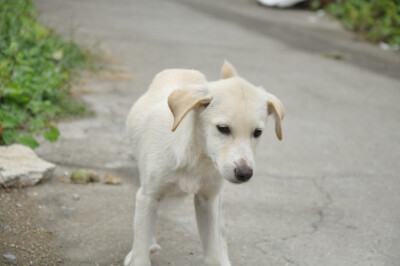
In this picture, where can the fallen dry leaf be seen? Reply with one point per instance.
(115, 76)
(111, 180)
(65, 179)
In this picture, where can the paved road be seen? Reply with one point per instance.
(327, 195)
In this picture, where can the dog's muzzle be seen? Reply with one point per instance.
(243, 173)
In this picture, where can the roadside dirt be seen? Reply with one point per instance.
(21, 235)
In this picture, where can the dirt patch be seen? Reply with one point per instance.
(23, 240)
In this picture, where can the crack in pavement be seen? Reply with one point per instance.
(321, 216)
(291, 261)
(270, 252)
(315, 225)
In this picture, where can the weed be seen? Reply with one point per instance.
(377, 20)
(35, 65)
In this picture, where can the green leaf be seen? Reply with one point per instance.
(52, 134)
(9, 135)
(9, 121)
(13, 47)
(23, 99)
(29, 141)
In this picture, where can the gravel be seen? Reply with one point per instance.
(23, 240)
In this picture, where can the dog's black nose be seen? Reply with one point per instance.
(243, 173)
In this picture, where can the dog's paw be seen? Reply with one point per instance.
(131, 261)
(128, 259)
(154, 247)
(216, 262)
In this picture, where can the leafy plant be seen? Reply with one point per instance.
(377, 20)
(35, 67)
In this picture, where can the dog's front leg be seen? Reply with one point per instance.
(211, 229)
(143, 229)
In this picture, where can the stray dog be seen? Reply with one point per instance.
(215, 128)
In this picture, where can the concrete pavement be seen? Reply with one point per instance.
(328, 194)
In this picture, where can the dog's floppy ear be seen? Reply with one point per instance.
(227, 70)
(181, 101)
(276, 108)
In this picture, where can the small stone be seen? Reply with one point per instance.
(320, 13)
(384, 46)
(66, 208)
(112, 180)
(18, 205)
(27, 250)
(59, 260)
(9, 256)
(76, 196)
(6, 227)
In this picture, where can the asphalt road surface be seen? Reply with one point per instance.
(328, 194)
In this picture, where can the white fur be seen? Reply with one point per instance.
(196, 157)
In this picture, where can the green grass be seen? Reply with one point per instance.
(377, 20)
(35, 67)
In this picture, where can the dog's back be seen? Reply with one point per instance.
(156, 98)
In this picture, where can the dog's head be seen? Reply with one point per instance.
(232, 116)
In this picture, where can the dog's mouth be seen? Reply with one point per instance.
(236, 181)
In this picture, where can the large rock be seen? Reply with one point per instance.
(19, 166)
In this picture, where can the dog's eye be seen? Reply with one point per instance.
(257, 133)
(224, 130)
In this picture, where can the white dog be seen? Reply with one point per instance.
(215, 128)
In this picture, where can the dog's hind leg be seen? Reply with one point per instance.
(144, 228)
(210, 225)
